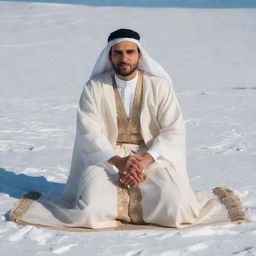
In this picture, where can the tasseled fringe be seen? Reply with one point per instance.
(33, 195)
(23, 205)
(232, 203)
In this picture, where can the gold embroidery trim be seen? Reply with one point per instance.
(232, 203)
(23, 205)
(135, 207)
(129, 129)
(129, 208)
(122, 204)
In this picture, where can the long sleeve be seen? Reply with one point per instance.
(91, 146)
(91, 142)
(154, 154)
(170, 143)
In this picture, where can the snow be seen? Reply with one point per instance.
(47, 51)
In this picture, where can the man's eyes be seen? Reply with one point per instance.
(128, 52)
(131, 52)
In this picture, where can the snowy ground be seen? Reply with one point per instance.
(46, 54)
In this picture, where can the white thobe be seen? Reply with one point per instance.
(126, 90)
(90, 195)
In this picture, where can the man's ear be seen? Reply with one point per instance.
(140, 56)
(109, 54)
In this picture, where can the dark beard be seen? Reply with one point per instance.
(125, 73)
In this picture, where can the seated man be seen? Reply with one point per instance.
(129, 154)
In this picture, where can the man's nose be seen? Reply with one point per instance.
(124, 57)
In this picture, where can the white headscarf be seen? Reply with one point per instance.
(146, 63)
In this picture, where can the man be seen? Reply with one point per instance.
(125, 57)
(129, 154)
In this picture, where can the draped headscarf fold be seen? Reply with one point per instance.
(146, 63)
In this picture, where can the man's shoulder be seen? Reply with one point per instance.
(149, 75)
(155, 80)
(150, 80)
(102, 78)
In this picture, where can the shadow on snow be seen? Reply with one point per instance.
(17, 185)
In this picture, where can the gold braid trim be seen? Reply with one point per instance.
(232, 203)
(129, 129)
(23, 205)
(122, 204)
(129, 208)
(135, 207)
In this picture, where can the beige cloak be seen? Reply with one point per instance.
(93, 198)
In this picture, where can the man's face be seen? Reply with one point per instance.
(124, 57)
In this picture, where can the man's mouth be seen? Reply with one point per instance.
(123, 65)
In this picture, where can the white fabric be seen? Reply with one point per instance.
(154, 154)
(127, 90)
(90, 195)
(162, 130)
(96, 203)
(146, 63)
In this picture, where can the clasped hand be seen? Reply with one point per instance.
(131, 168)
